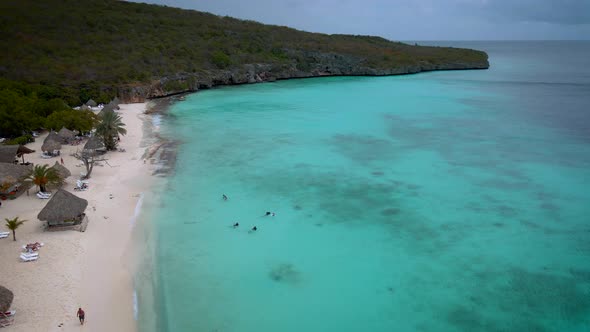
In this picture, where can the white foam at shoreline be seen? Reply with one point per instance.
(135, 306)
(137, 211)
(156, 120)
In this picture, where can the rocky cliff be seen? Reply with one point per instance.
(317, 64)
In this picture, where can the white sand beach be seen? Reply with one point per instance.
(90, 269)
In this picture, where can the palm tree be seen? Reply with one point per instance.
(43, 175)
(109, 128)
(13, 224)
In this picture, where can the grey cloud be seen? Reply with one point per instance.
(545, 11)
(413, 19)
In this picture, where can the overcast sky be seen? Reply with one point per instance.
(413, 19)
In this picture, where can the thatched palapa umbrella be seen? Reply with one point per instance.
(61, 170)
(51, 145)
(8, 153)
(66, 135)
(6, 298)
(53, 136)
(107, 108)
(22, 150)
(63, 206)
(93, 145)
(51, 142)
(116, 103)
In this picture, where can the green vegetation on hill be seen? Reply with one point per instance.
(26, 107)
(79, 49)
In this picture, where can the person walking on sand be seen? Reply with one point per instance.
(62, 160)
(80, 315)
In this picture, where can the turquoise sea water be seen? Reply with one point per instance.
(447, 201)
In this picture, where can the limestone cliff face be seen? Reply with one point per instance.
(303, 65)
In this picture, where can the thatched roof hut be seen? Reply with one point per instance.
(107, 108)
(52, 136)
(51, 142)
(6, 298)
(116, 103)
(13, 173)
(66, 135)
(63, 207)
(91, 103)
(85, 108)
(8, 153)
(94, 145)
(61, 170)
(51, 145)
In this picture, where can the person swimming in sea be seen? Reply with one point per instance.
(268, 213)
(236, 224)
(224, 197)
(254, 229)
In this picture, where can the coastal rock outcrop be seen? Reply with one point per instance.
(303, 64)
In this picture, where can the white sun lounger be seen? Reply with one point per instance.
(7, 318)
(43, 195)
(28, 258)
(30, 254)
(7, 314)
(2, 236)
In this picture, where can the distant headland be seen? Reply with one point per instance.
(100, 49)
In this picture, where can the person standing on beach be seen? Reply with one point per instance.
(80, 315)
(62, 160)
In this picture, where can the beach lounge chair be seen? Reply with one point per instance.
(81, 185)
(7, 318)
(4, 234)
(30, 254)
(25, 258)
(7, 314)
(43, 195)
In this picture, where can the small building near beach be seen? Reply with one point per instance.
(8, 153)
(65, 211)
(11, 180)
